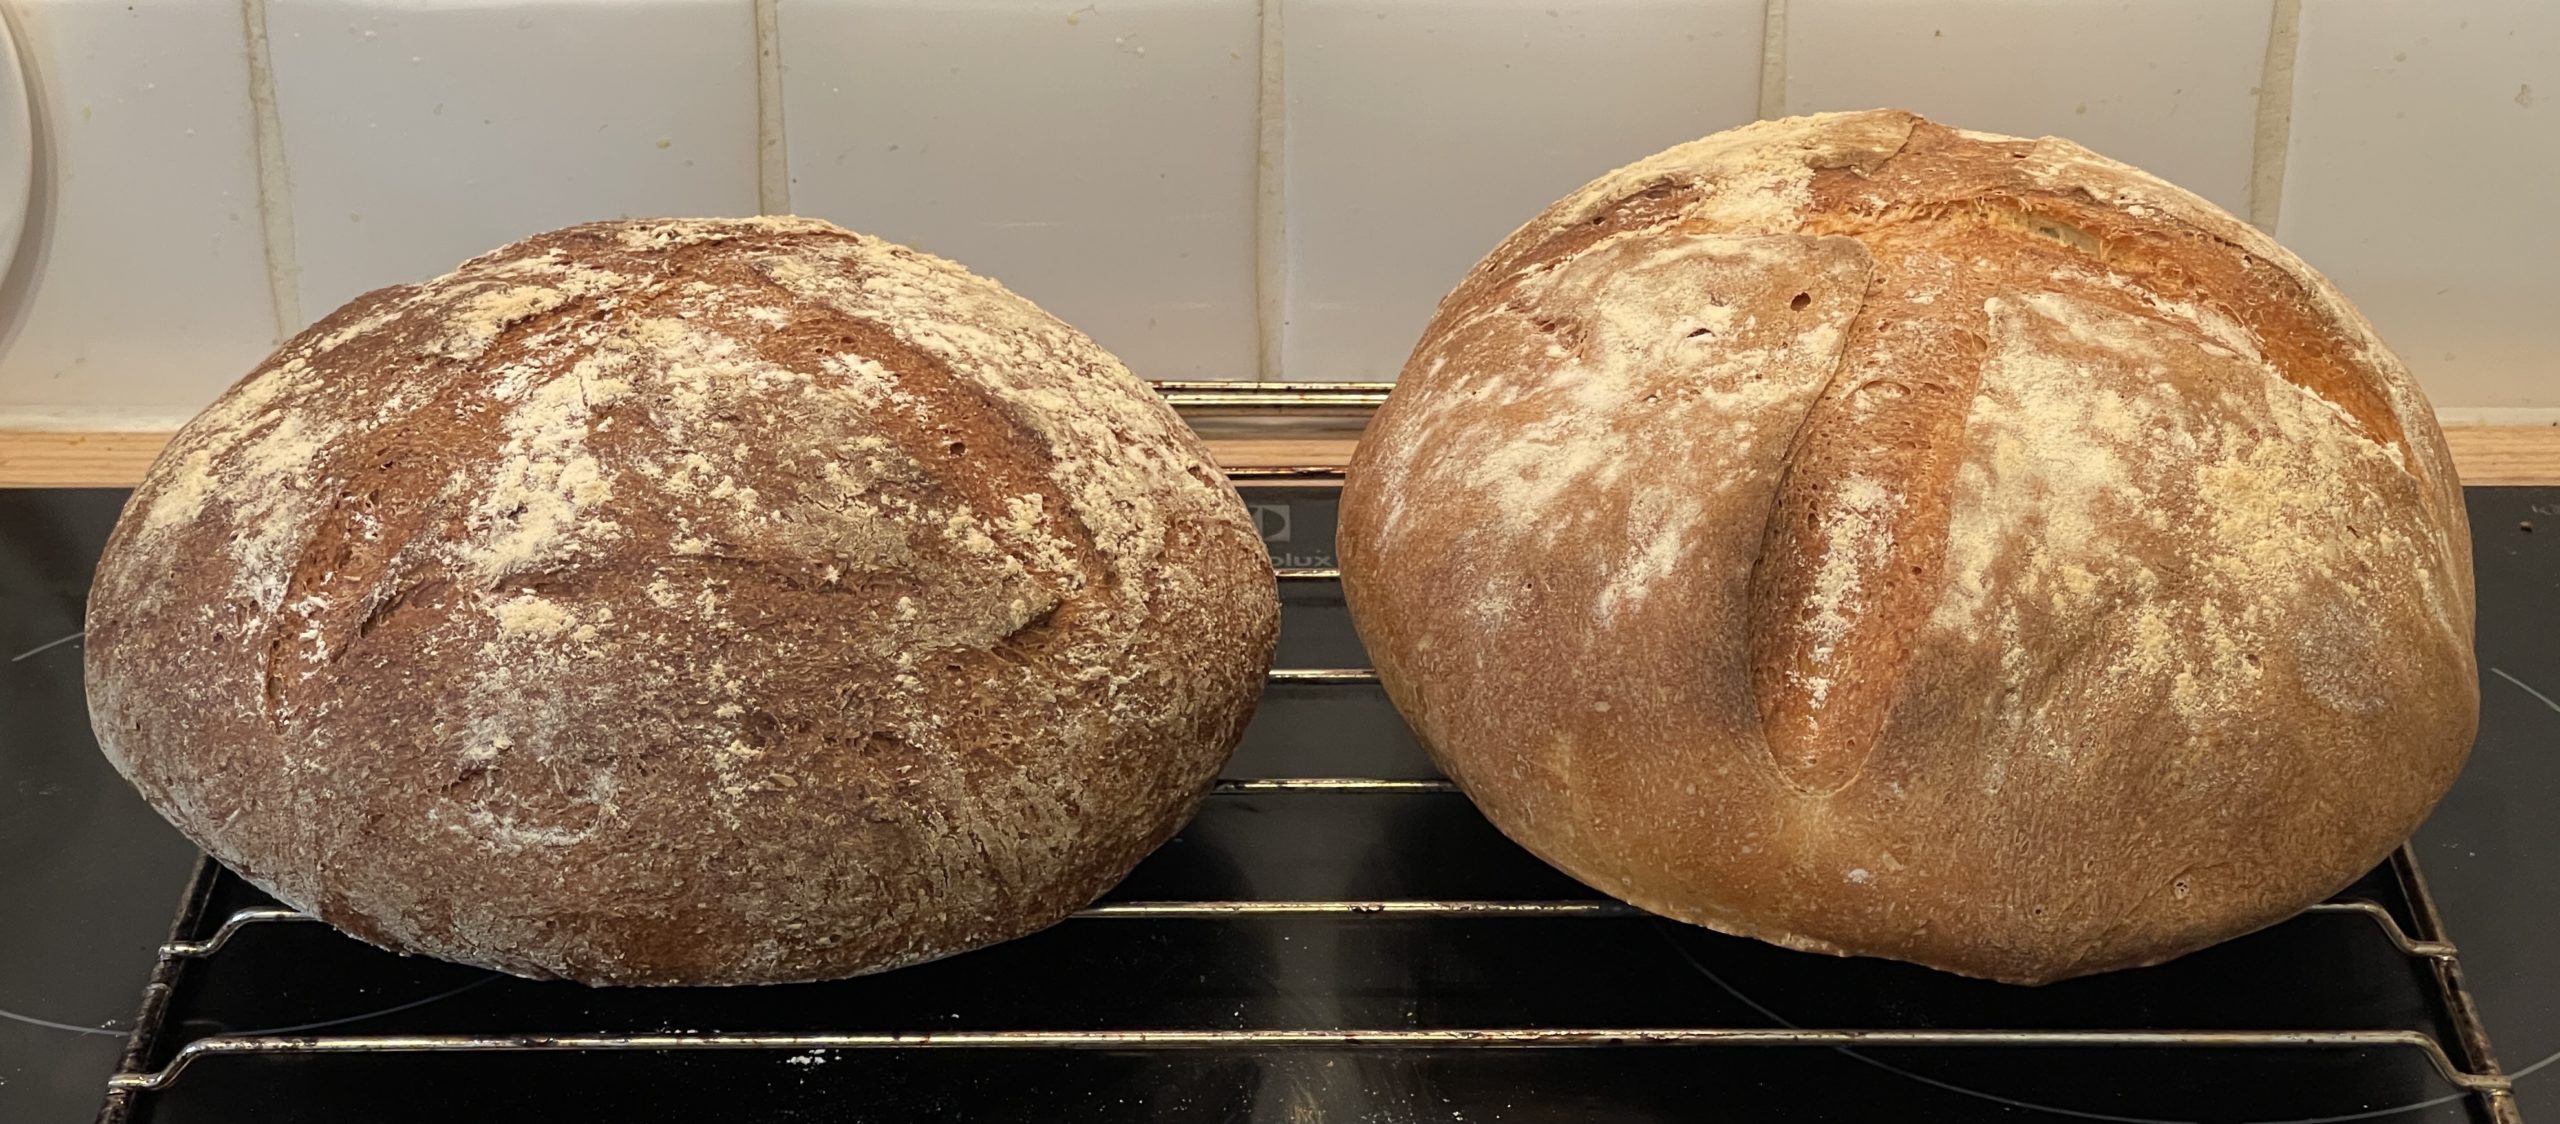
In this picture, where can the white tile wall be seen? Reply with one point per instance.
(140, 289)
(1096, 157)
(1113, 159)
(1420, 132)
(2425, 150)
(2169, 85)
(422, 132)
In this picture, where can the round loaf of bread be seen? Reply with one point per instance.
(683, 602)
(1885, 539)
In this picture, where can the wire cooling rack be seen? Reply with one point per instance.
(1235, 977)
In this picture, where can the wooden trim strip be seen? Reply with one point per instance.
(2486, 454)
(39, 459)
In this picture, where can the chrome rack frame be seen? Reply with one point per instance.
(1274, 397)
(2468, 1064)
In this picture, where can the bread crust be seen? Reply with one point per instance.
(681, 602)
(1885, 539)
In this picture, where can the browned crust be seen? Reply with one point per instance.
(1884, 539)
(682, 602)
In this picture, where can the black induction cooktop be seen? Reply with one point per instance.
(1338, 936)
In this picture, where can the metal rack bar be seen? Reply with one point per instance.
(1282, 387)
(1504, 1037)
(2400, 938)
(1324, 675)
(1330, 784)
(2381, 918)
(1212, 394)
(275, 915)
(1225, 909)
(1267, 473)
(1308, 574)
(222, 934)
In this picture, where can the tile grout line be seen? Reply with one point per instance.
(773, 157)
(2273, 140)
(1270, 189)
(275, 181)
(1773, 60)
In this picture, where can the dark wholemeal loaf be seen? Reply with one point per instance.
(1881, 538)
(668, 602)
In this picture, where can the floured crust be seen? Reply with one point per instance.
(683, 602)
(1885, 539)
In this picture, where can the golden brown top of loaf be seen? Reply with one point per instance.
(683, 601)
(1880, 536)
